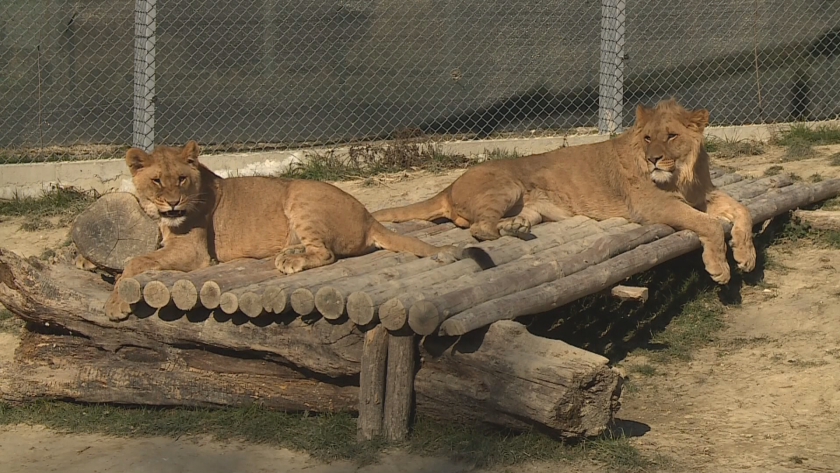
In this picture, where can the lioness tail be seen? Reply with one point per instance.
(429, 209)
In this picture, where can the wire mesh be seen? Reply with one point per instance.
(84, 79)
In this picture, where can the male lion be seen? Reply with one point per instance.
(655, 172)
(202, 216)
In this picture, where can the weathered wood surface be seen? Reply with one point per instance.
(630, 293)
(399, 386)
(820, 219)
(330, 353)
(114, 229)
(372, 383)
(600, 276)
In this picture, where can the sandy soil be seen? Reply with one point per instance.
(764, 398)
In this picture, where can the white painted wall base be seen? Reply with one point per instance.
(112, 174)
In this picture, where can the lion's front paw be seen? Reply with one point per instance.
(516, 227)
(290, 263)
(116, 309)
(718, 269)
(744, 256)
(294, 250)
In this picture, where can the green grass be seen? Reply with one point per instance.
(498, 153)
(816, 177)
(815, 136)
(9, 323)
(643, 369)
(64, 203)
(797, 151)
(732, 148)
(325, 437)
(834, 159)
(696, 325)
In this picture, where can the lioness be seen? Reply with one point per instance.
(202, 216)
(655, 172)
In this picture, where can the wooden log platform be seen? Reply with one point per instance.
(355, 348)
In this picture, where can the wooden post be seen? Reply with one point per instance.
(399, 386)
(611, 82)
(145, 13)
(372, 384)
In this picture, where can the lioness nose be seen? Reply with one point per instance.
(654, 159)
(173, 203)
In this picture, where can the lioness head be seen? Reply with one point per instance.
(671, 138)
(168, 181)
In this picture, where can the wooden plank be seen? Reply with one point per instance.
(399, 387)
(372, 384)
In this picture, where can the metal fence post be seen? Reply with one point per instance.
(144, 74)
(611, 81)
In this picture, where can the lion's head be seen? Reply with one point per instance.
(167, 181)
(672, 139)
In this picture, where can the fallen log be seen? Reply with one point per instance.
(819, 219)
(114, 229)
(578, 398)
(753, 188)
(596, 278)
(727, 180)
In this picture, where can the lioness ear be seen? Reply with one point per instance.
(190, 152)
(136, 159)
(698, 119)
(642, 114)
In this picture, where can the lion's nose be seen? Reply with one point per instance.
(654, 159)
(173, 203)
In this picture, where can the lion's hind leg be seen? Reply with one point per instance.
(519, 225)
(311, 252)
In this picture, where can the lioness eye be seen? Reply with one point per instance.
(647, 139)
(156, 181)
(181, 179)
(671, 136)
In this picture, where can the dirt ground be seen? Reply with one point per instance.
(765, 397)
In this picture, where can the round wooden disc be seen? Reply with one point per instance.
(114, 229)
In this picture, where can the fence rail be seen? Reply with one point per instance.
(83, 79)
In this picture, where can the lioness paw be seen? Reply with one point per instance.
(289, 263)
(719, 272)
(294, 250)
(116, 309)
(516, 227)
(745, 257)
(447, 255)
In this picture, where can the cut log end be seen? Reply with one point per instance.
(303, 302)
(819, 219)
(156, 294)
(184, 294)
(424, 318)
(129, 290)
(630, 293)
(275, 300)
(360, 308)
(330, 302)
(229, 303)
(251, 304)
(210, 294)
(393, 314)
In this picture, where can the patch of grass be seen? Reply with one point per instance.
(732, 148)
(363, 161)
(9, 323)
(773, 170)
(498, 153)
(802, 133)
(816, 177)
(798, 150)
(697, 324)
(325, 437)
(65, 203)
(834, 159)
(807, 363)
(643, 369)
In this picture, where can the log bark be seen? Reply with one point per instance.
(362, 304)
(598, 277)
(753, 188)
(328, 353)
(372, 384)
(399, 387)
(630, 293)
(820, 219)
(727, 179)
(114, 229)
(445, 300)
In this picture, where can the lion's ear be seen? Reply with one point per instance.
(698, 119)
(190, 152)
(136, 159)
(642, 114)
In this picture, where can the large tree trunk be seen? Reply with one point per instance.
(169, 357)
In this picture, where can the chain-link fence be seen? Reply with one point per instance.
(83, 79)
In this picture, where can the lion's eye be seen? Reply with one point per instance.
(181, 179)
(156, 181)
(671, 136)
(647, 139)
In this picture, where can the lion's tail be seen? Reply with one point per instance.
(430, 209)
(388, 240)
